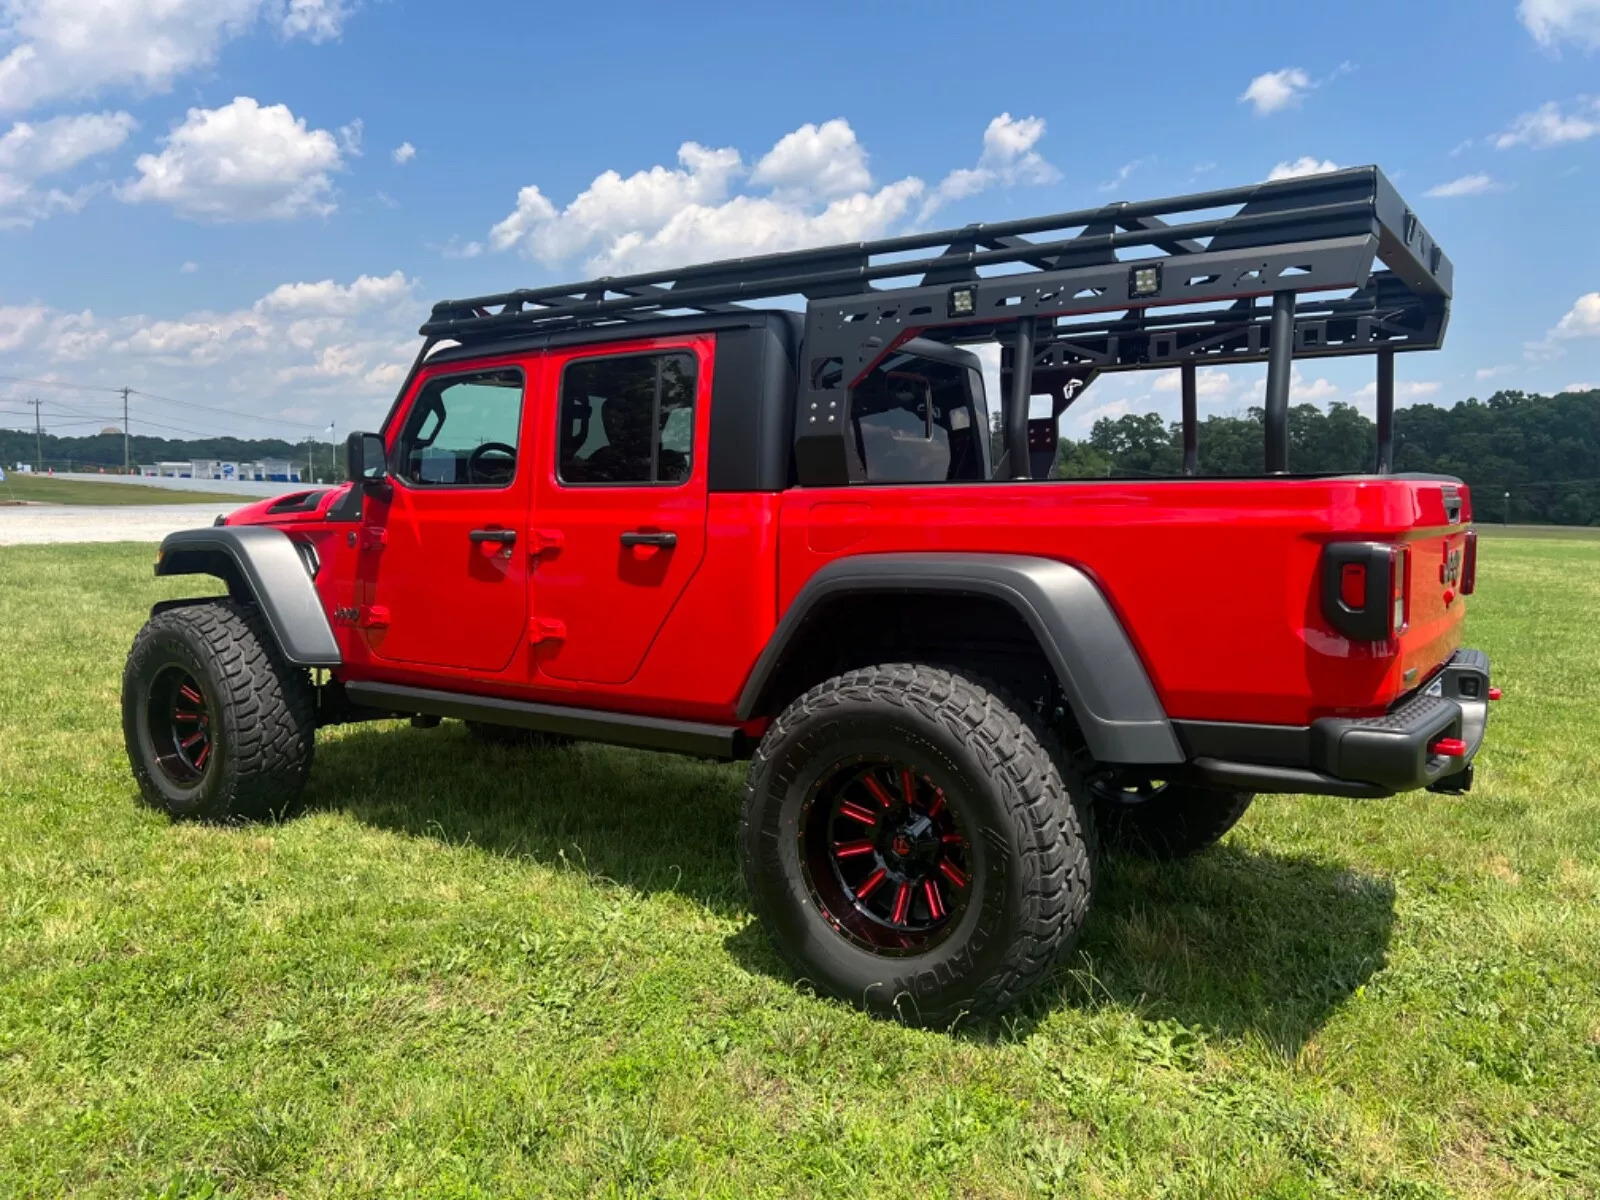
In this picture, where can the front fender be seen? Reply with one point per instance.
(260, 565)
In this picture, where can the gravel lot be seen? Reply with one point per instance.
(35, 524)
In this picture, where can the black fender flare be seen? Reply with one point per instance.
(261, 565)
(1099, 671)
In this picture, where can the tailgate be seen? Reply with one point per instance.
(1437, 579)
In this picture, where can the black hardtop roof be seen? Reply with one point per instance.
(786, 324)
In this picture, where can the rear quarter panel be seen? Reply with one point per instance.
(1216, 581)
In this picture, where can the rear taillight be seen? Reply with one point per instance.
(1365, 587)
(1469, 563)
(1399, 588)
(1353, 584)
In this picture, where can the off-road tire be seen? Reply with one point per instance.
(1177, 821)
(1032, 840)
(513, 737)
(261, 713)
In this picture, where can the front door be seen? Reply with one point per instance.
(444, 580)
(621, 509)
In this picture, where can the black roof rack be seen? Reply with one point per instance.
(1126, 286)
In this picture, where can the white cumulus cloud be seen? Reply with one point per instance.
(30, 152)
(1404, 390)
(1581, 320)
(332, 299)
(54, 49)
(314, 20)
(614, 210)
(811, 188)
(1552, 22)
(304, 351)
(1276, 90)
(61, 142)
(240, 162)
(1553, 124)
(1304, 165)
(1008, 158)
(403, 153)
(1468, 185)
(817, 160)
(1209, 384)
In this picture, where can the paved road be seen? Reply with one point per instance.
(34, 524)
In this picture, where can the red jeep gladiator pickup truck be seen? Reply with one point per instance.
(639, 510)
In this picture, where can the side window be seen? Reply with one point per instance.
(918, 421)
(462, 431)
(627, 419)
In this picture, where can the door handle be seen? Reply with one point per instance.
(504, 536)
(638, 537)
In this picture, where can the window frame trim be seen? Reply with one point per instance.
(397, 457)
(655, 418)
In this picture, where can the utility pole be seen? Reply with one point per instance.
(333, 453)
(38, 438)
(125, 457)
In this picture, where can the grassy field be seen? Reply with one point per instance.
(475, 973)
(46, 490)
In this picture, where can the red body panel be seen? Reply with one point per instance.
(1217, 582)
(608, 601)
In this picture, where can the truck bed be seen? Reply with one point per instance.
(1217, 581)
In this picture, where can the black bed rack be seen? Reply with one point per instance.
(1331, 264)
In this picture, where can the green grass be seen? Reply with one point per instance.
(1564, 533)
(42, 488)
(468, 972)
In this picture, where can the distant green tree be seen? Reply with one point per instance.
(105, 450)
(1544, 450)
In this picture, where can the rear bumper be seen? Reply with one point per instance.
(1358, 756)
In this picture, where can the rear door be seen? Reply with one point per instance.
(620, 508)
(443, 578)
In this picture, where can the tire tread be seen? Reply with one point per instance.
(1057, 831)
(267, 709)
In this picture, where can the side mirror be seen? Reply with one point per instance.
(364, 458)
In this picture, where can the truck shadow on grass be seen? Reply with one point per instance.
(1234, 942)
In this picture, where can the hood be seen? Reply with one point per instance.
(310, 504)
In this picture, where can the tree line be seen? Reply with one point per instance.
(105, 450)
(1542, 450)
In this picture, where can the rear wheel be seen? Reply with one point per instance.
(911, 846)
(1163, 820)
(218, 725)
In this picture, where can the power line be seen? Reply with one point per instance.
(125, 391)
(60, 383)
(230, 412)
(103, 418)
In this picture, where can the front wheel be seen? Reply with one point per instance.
(911, 846)
(218, 725)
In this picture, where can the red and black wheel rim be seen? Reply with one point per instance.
(885, 855)
(180, 722)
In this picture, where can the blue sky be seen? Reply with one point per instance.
(247, 205)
